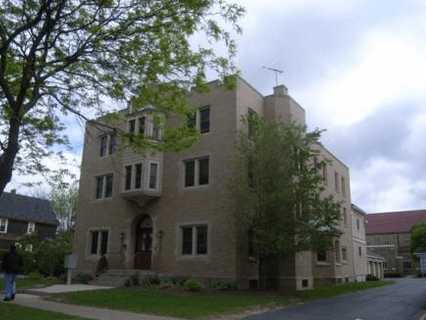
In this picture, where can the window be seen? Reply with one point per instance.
(104, 141)
(204, 171)
(108, 186)
(194, 240)
(251, 119)
(205, 119)
(142, 121)
(343, 186)
(99, 242)
(250, 236)
(99, 187)
(156, 130)
(189, 173)
(344, 254)
(345, 217)
(3, 225)
(322, 256)
(305, 283)
(112, 143)
(31, 227)
(197, 172)
(132, 126)
(336, 181)
(138, 176)
(186, 240)
(108, 144)
(325, 174)
(337, 251)
(360, 251)
(357, 224)
(201, 239)
(104, 185)
(153, 174)
(128, 177)
(191, 120)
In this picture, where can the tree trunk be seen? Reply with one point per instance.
(7, 158)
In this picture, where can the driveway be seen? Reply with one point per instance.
(401, 301)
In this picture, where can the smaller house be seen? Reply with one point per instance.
(21, 215)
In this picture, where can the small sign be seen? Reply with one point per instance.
(70, 261)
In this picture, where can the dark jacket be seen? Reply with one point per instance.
(12, 262)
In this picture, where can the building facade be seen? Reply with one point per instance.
(172, 212)
(389, 234)
(22, 215)
(359, 243)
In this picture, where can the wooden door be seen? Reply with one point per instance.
(143, 246)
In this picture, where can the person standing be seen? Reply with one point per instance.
(12, 263)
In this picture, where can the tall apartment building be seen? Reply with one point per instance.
(171, 212)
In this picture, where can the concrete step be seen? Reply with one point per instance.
(119, 277)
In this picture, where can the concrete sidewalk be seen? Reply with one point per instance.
(36, 302)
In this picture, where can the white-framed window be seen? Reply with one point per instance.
(3, 225)
(345, 217)
(104, 184)
(107, 144)
(142, 174)
(194, 240)
(196, 172)
(343, 186)
(98, 242)
(153, 175)
(325, 174)
(357, 224)
(360, 251)
(145, 125)
(31, 227)
(200, 119)
(344, 254)
(336, 181)
(322, 256)
(337, 251)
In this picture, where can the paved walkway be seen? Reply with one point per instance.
(64, 288)
(402, 301)
(37, 302)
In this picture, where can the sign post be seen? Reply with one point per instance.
(70, 264)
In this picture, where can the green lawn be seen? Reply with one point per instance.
(32, 282)
(331, 291)
(196, 305)
(10, 311)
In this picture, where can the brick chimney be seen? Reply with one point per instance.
(280, 90)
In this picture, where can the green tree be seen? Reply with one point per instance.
(418, 237)
(63, 196)
(278, 189)
(60, 56)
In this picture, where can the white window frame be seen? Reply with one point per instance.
(149, 126)
(194, 239)
(98, 249)
(343, 257)
(31, 227)
(4, 222)
(196, 172)
(336, 181)
(104, 186)
(149, 175)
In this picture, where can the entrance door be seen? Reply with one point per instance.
(143, 248)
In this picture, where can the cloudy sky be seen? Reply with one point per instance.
(358, 67)
(359, 70)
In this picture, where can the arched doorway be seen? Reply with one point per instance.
(143, 245)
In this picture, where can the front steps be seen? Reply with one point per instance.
(120, 277)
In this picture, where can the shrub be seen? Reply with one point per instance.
(370, 277)
(47, 256)
(134, 279)
(192, 285)
(222, 285)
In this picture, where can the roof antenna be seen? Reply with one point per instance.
(276, 71)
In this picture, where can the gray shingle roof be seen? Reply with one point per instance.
(20, 207)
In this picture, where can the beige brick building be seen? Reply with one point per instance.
(171, 213)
